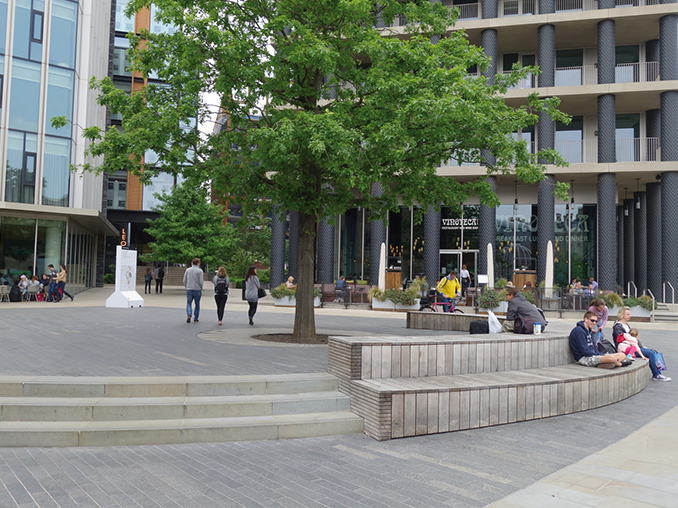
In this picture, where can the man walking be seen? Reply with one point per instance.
(159, 275)
(52, 297)
(193, 279)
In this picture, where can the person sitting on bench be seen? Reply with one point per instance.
(340, 289)
(584, 349)
(522, 312)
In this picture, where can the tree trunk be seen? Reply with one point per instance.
(304, 315)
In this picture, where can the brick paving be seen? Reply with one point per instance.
(461, 469)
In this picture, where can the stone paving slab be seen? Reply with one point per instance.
(462, 469)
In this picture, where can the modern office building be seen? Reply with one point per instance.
(49, 50)
(614, 65)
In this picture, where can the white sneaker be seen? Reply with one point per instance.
(660, 377)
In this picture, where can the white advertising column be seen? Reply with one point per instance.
(125, 295)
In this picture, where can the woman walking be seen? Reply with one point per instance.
(220, 291)
(61, 284)
(148, 277)
(252, 292)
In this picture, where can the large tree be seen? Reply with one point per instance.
(319, 105)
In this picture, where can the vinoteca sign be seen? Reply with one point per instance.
(459, 223)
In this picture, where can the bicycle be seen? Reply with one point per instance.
(432, 306)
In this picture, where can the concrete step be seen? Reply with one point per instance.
(173, 431)
(100, 411)
(187, 386)
(60, 409)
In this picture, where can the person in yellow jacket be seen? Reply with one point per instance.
(449, 288)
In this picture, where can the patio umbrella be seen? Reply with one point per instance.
(382, 268)
(490, 266)
(548, 280)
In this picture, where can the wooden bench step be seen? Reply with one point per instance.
(401, 407)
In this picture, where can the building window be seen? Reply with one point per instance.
(36, 26)
(56, 174)
(117, 190)
(59, 100)
(24, 102)
(21, 157)
(17, 243)
(63, 33)
(3, 24)
(122, 22)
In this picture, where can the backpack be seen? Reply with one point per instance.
(161, 274)
(221, 287)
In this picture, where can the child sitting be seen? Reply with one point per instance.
(629, 346)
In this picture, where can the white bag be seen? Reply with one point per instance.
(495, 325)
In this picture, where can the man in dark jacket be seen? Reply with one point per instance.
(584, 349)
(519, 307)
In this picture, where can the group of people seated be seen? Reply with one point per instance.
(49, 287)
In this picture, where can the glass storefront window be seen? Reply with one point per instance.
(59, 100)
(399, 238)
(56, 174)
(17, 242)
(63, 30)
(50, 247)
(575, 253)
(450, 229)
(24, 102)
(21, 161)
(418, 245)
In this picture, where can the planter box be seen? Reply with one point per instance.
(287, 301)
(639, 313)
(390, 306)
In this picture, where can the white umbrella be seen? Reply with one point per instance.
(548, 280)
(490, 266)
(382, 268)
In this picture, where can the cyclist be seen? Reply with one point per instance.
(449, 288)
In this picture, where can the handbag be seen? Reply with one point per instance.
(261, 292)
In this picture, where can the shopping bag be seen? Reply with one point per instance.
(495, 325)
(659, 361)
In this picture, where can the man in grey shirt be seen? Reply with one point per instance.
(193, 279)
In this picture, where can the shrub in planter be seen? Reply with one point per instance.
(406, 297)
(630, 301)
(491, 299)
(613, 300)
(109, 278)
(529, 296)
(501, 283)
(647, 303)
(283, 291)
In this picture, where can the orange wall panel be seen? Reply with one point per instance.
(135, 192)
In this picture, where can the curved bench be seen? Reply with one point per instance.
(414, 386)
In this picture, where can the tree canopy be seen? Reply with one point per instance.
(189, 226)
(319, 104)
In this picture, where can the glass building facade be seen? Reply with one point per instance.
(47, 215)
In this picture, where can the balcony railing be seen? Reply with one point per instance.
(627, 150)
(531, 7)
(624, 73)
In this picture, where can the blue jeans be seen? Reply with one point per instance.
(51, 291)
(651, 358)
(191, 296)
(446, 308)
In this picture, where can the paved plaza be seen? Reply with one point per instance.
(627, 449)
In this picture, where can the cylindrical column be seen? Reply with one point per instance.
(620, 245)
(607, 151)
(325, 252)
(606, 51)
(487, 228)
(278, 231)
(546, 134)
(53, 246)
(640, 240)
(378, 236)
(669, 228)
(669, 126)
(652, 51)
(432, 245)
(668, 48)
(629, 248)
(606, 4)
(546, 213)
(294, 243)
(607, 231)
(490, 9)
(547, 6)
(546, 55)
(654, 239)
(488, 39)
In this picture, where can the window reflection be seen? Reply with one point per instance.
(20, 178)
(59, 100)
(24, 103)
(56, 175)
(63, 34)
